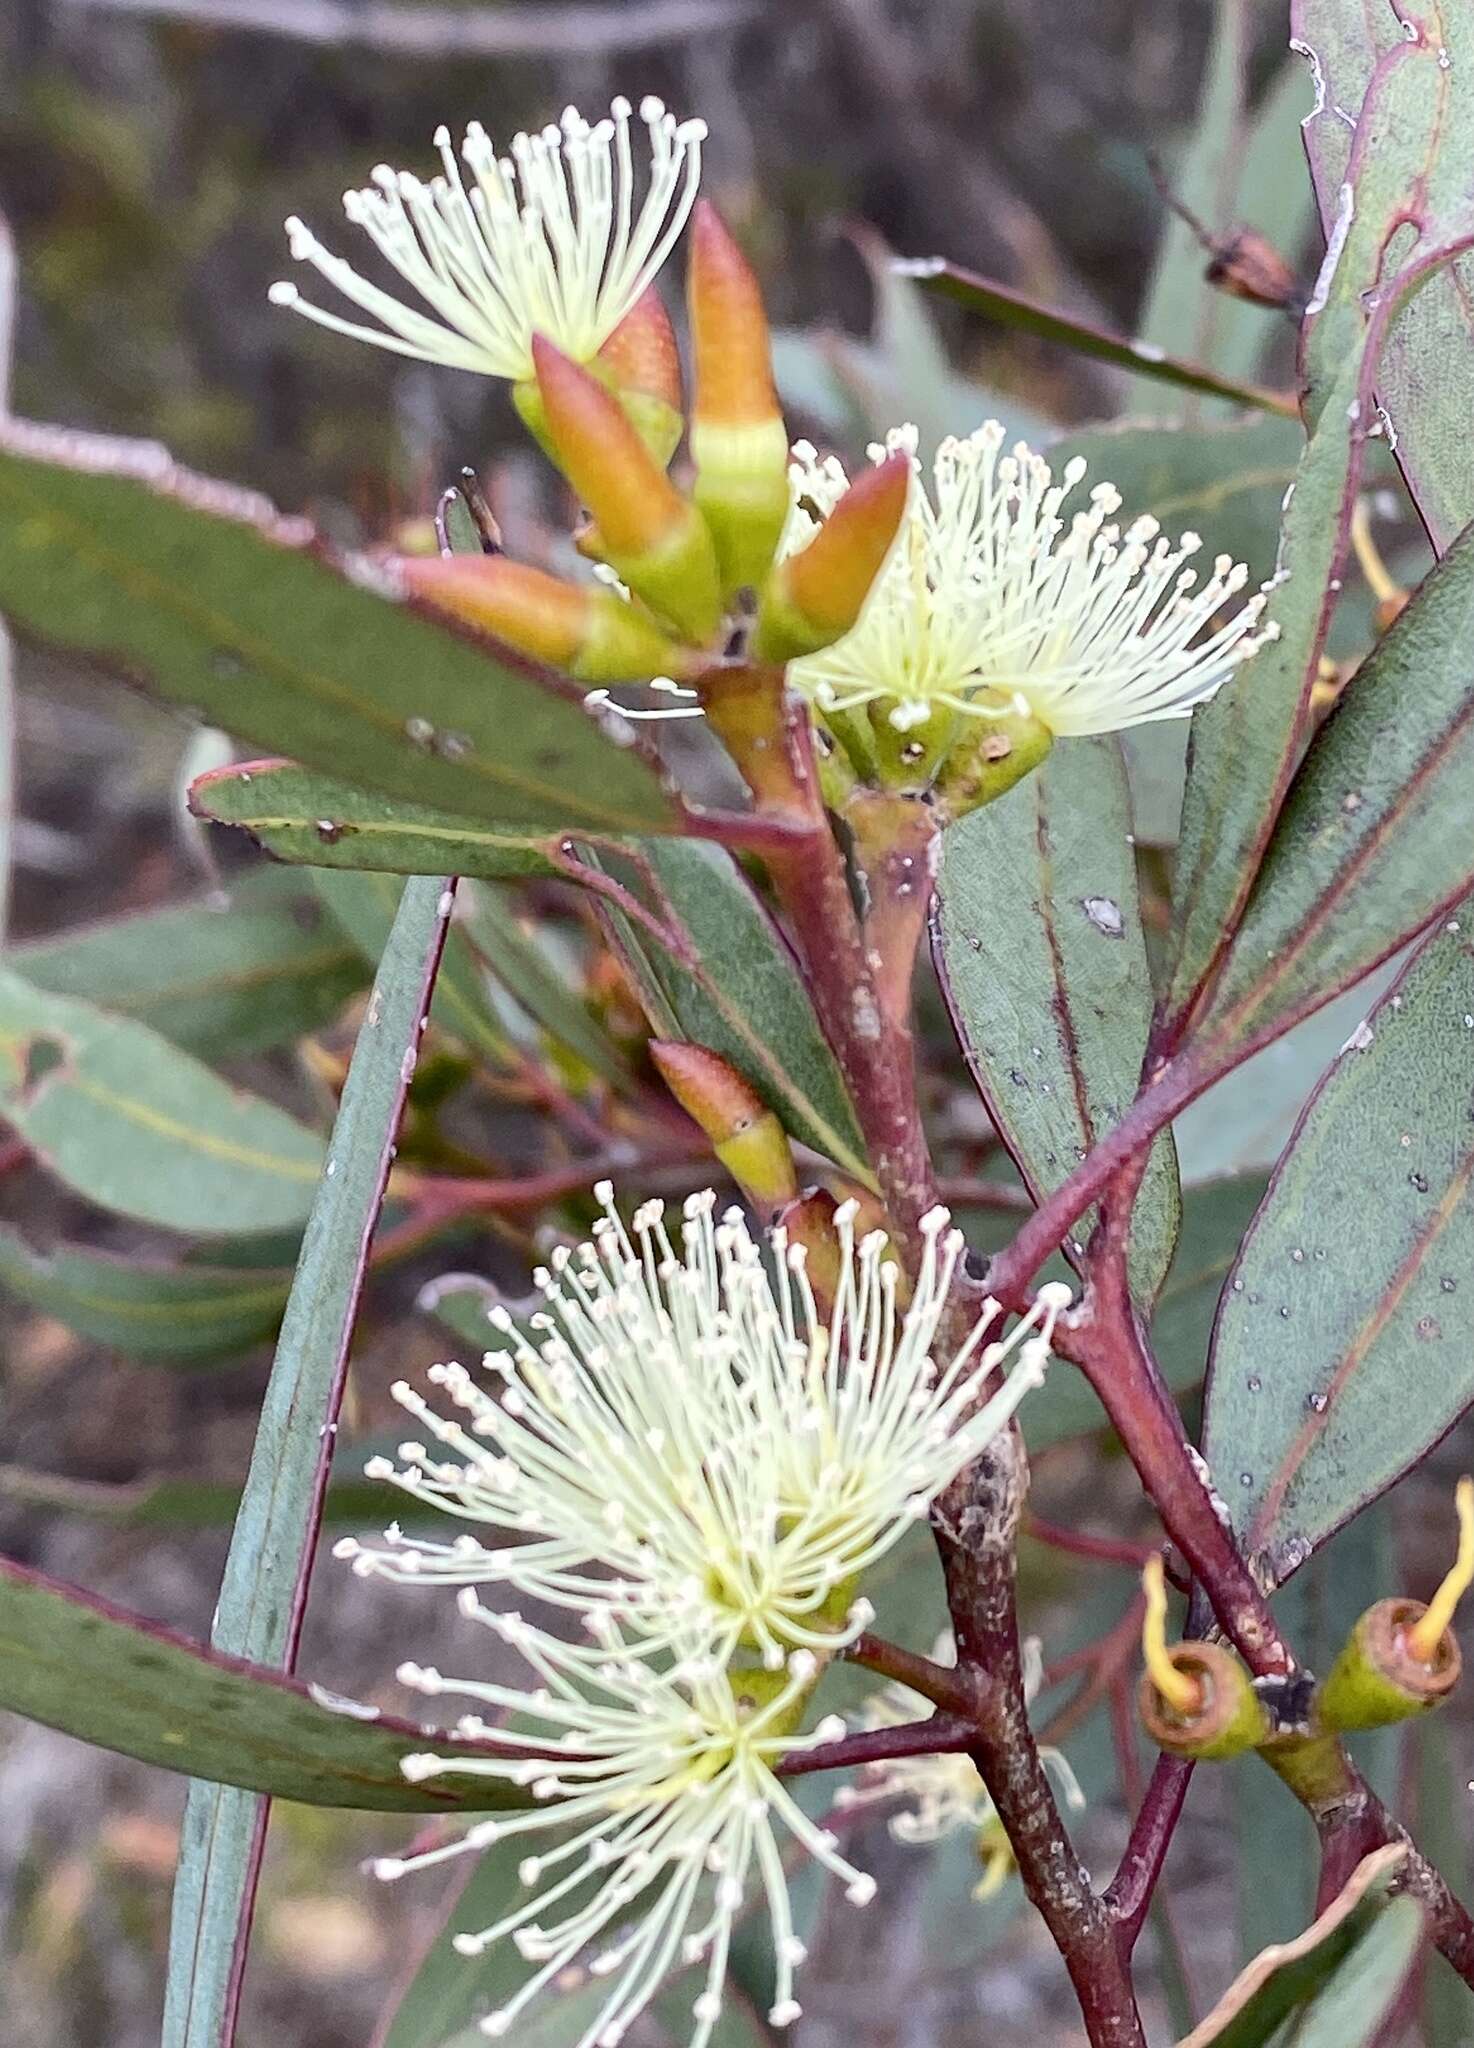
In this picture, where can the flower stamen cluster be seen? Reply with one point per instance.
(549, 239)
(664, 1782)
(691, 1443)
(994, 603)
(686, 1452)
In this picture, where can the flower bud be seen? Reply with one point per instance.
(809, 1221)
(582, 630)
(1377, 1679)
(655, 541)
(643, 366)
(987, 758)
(744, 1133)
(738, 441)
(1195, 1699)
(814, 597)
(1402, 1657)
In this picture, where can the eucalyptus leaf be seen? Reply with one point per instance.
(1343, 1972)
(147, 1308)
(1047, 977)
(1427, 374)
(213, 601)
(111, 1678)
(223, 976)
(139, 1127)
(267, 1567)
(316, 821)
(1245, 741)
(1345, 1341)
(737, 992)
(1377, 835)
(994, 301)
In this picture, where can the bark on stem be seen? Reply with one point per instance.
(976, 1524)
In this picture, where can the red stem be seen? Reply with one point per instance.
(1129, 1894)
(977, 1520)
(942, 1734)
(1104, 1338)
(1108, 1549)
(949, 1690)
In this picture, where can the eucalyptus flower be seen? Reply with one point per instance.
(692, 1445)
(657, 1788)
(994, 604)
(552, 239)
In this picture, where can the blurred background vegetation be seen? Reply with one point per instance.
(148, 156)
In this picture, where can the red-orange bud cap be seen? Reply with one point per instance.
(729, 329)
(589, 632)
(816, 595)
(707, 1087)
(830, 579)
(634, 502)
(652, 536)
(532, 611)
(641, 354)
(744, 1133)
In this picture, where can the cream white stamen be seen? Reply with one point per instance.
(685, 1443)
(993, 602)
(549, 240)
(662, 1798)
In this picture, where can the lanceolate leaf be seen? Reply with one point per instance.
(1427, 373)
(145, 1307)
(94, 1671)
(1142, 358)
(365, 906)
(263, 1589)
(1040, 947)
(1338, 1979)
(1345, 1339)
(739, 992)
(302, 816)
(219, 977)
(1246, 740)
(211, 600)
(1378, 833)
(139, 1127)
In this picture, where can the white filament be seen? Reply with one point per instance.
(547, 240)
(993, 602)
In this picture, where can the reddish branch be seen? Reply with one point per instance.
(942, 1734)
(1129, 1893)
(870, 1033)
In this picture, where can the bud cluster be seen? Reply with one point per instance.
(943, 631)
